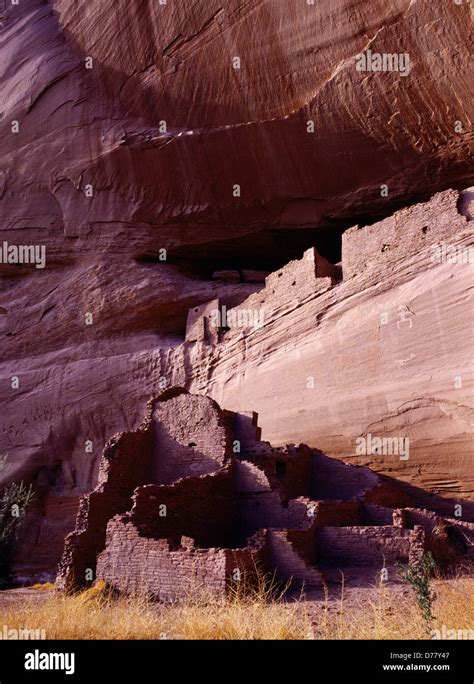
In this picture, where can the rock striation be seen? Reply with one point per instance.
(386, 352)
(157, 178)
(368, 360)
(161, 109)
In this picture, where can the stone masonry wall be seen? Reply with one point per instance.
(298, 280)
(135, 564)
(287, 470)
(290, 560)
(150, 454)
(256, 511)
(337, 513)
(198, 325)
(362, 545)
(261, 491)
(191, 436)
(125, 465)
(301, 277)
(406, 232)
(176, 513)
(376, 515)
(197, 507)
(169, 572)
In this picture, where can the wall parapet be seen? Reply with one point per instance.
(408, 231)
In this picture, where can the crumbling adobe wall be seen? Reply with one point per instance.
(288, 287)
(262, 491)
(245, 429)
(300, 278)
(296, 479)
(191, 436)
(286, 558)
(197, 507)
(445, 538)
(154, 453)
(303, 513)
(134, 564)
(287, 470)
(429, 520)
(362, 545)
(254, 511)
(272, 508)
(295, 282)
(249, 562)
(200, 325)
(335, 513)
(250, 479)
(256, 505)
(125, 465)
(406, 232)
(372, 514)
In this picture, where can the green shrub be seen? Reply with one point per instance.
(419, 573)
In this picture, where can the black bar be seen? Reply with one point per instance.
(315, 661)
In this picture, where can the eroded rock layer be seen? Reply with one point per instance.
(134, 116)
(370, 359)
(125, 129)
(386, 353)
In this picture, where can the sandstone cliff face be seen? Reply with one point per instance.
(93, 176)
(383, 354)
(387, 352)
(152, 64)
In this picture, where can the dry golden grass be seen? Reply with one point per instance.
(392, 615)
(44, 586)
(95, 614)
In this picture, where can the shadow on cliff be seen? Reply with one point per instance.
(240, 127)
(439, 504)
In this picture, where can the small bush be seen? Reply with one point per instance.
(419, 574)
(14, 501)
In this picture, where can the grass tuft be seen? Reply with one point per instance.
(261, 613)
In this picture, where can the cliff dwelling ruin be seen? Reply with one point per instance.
(193, 502)
(242, 367)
